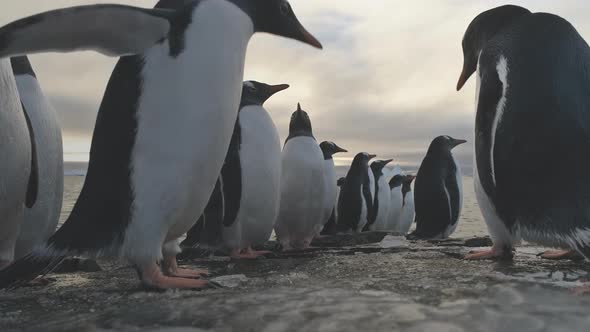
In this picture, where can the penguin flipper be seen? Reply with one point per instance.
(113, 30)
(452, 189)
(231, 174)
(33, 185)
(26, 269)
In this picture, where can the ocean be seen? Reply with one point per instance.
(470, 224)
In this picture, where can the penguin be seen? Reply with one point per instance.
(382, 197)
(41, 219)
(355, 202)
(302, 185)
(329, 149)
(162, 132)
(250, 177)
(532, 101)
(438, 191)
(396, 203)
(407, 214)
(331, 228)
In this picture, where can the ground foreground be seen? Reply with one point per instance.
(389, 285)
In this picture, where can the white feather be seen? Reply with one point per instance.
(330, 191)
(502, 68)
(395, 209)
(382, 220)
(41, 220)
(186, 115)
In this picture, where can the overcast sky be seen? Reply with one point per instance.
(385, 82)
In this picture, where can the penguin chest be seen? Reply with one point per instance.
(330, 188)
(395, 207)
(260, 160)
(185, 117)
(407, 214)
(384, 197)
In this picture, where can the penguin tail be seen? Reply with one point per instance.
(28, 268)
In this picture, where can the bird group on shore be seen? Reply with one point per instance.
(183, 145)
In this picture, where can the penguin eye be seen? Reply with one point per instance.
(252, 89)
(285, 8)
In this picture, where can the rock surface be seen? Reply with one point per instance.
(389, 285)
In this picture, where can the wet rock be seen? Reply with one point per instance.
(231, 281)
(348, 240)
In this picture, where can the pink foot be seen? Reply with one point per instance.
(40, 282)
(582, 290)
(152, 277)
(559, 255)
(171, 269)
(493, 253)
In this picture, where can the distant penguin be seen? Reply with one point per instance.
(533, 114)
(438, 191)
(47, 160)
(163, 128)
(397, 202)
(331, 228)
(329, 149)
(407, 214)
(251, 181)
(382, 197)
(302, 185)
(355, 201)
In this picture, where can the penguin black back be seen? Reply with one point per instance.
(355, 189)
(300, 125)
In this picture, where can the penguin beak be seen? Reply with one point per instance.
(469, 67)
(459, 142)
(290, 27)
(385, 162)
(339, 149)
(371, 156)
(308, 38)
(271, 90)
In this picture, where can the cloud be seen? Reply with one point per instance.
(384, 82)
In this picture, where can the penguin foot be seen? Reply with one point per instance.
(582, 290)
(560, 255)
(171, 269)
(153, 278)
(40, 282)
(492, 254)
(245, 254)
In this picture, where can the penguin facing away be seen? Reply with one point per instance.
(396, 203)
(329, 149)
(40, 220)
(120, 212)
(407, 214)
(438, 191)
(302, 185)
(533, 79)
(250, 178)
(382, 197)
(355, 201)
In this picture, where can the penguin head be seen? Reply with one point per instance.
(445, 144)
(330, 148)
(341, 182)
(361, 160)
(483, 28)
(378, 165)
(256, 93)
(396, 181)
(277, 17)
(300, 124)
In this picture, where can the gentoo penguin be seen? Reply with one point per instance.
(355, 202)
(163, 128)
(382, 198)
(406, 217)
(533, 97)
(250, 178)
(329, 149)
(396, 203)
(438, 191)
(331, 228)
(302, 185)
(47, 160)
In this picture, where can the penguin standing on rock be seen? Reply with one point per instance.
(250, 180)
(47, 172)
(302, 185)
(163, 128)
(533, 114)
(382, 197)
(329, 149)
(438, 191)
(355, 203)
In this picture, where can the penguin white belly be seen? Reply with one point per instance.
(407, 215)
(384, 195)
(260, 159)
(458, 177)
(15, 167)
(185, 119)
(330, 191)
(41, 220)
(302, 191)
(395, 208)
(372, 184)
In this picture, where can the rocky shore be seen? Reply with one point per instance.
(373, 282)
